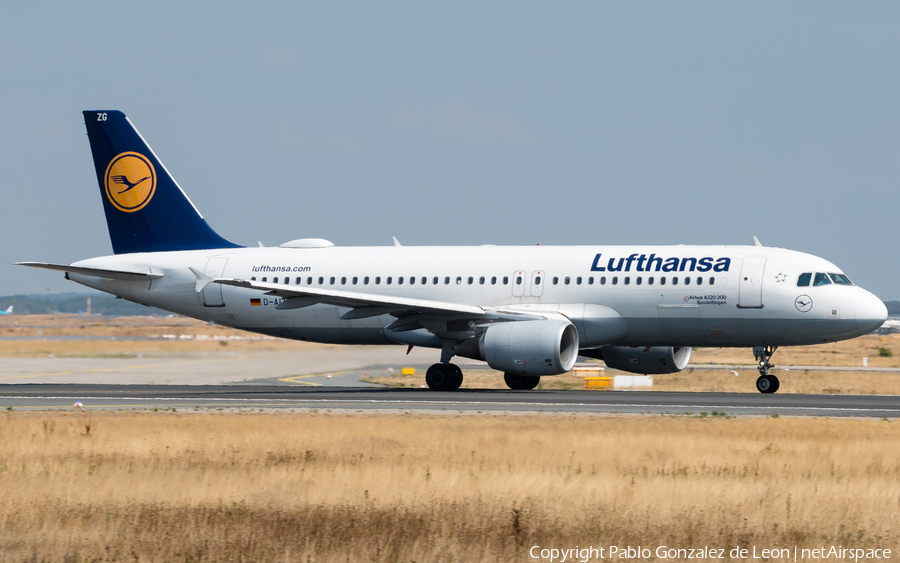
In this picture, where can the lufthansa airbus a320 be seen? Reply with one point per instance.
(528, 311)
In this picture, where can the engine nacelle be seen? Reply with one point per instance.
(545, 347)
(647, 360)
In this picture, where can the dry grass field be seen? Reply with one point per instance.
(122, 486)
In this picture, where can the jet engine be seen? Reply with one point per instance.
(647, 360)
(540, 347)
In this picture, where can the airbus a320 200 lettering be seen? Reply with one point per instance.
(526, 311)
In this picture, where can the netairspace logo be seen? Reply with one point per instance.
(591, 553)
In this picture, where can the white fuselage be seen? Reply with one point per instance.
(667, 295)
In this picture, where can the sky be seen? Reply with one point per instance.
(465, 123)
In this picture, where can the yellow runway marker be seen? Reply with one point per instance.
(293, 379)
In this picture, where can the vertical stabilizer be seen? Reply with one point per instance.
(146, 210)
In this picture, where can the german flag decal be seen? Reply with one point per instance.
(255, 302)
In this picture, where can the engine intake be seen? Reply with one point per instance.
(546, 347)
(647, 360)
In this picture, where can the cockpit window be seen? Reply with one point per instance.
(803, 280)
(821, 279)
(841, 279)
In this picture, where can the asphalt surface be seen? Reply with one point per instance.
(190, 397)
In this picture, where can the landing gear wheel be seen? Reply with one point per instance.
(443, 377)
(458, 375)
(767, 384)
(521, 382)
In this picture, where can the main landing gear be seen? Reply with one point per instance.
(521, 382)
(765, 383)
(444, 377)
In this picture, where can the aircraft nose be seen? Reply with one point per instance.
(870, 313)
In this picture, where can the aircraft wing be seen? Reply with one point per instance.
(363, 304)
(123, 275)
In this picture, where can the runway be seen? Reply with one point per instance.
(343, 399)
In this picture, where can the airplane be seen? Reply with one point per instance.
(527, 311)
(8, 311)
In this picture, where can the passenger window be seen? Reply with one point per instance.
(253, 278)
(712, 280)
(650, 280)
(446, 280)
(343, 280)
(639, 280)
(458, 280)
(470, 280)
(591, 280)
(518, 280)
(568, 280)
(615, 280)
(275, 279)
(602, 280)
(287, 281)
(321, 280)
(687, 280)
(331, 280)
(674, 280)
(627, 280)
(377, 280)
(841, 279)
(821, 279)
(662, 280)
(425, 280)
(264, 279)
(412, 280)
(555, 280)
(366, 280)
(578, 280)
(699, 281)
(309, 280)
(388, 280)
(399, 280)
(505, 280)
(493, 280)
(481, 280)
(434, 280)
(355, 279)
(803, 280)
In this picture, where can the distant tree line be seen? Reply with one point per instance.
(75, 303)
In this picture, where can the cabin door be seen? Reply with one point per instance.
(212, 292)
(750, 284)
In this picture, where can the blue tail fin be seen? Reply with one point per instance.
(146, 210)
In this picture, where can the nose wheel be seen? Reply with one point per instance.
(766, 383)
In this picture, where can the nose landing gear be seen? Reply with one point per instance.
(766, 383)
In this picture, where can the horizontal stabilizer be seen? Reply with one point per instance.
(122, 275)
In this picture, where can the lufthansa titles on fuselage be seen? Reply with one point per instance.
(654, 263)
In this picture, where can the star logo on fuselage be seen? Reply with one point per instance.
(780, 277)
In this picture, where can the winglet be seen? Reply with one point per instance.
(202, 279)
(756, 241)
(396, 242)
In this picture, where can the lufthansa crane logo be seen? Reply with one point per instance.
(130, 181)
